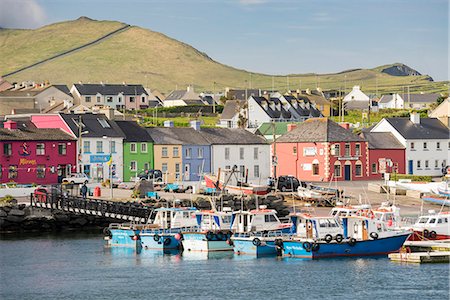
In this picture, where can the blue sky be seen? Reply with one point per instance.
(275, 36)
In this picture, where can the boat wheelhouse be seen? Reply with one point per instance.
(433, 226)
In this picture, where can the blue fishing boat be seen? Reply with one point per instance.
(360, 236)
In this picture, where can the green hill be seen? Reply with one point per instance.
(143, 56)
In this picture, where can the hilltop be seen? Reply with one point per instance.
(134, 54)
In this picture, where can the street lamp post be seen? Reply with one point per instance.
(110, 163)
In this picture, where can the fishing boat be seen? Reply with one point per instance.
(356, 236)
(160, 234)
(442, 201)
(432, 226)
(306, 193)
(212, 233)
(258, 232)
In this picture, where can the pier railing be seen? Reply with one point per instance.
(127, 211)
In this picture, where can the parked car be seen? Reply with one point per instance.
(76, 178)
(151, 174)
(286, 183)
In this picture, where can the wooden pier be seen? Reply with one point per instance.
(421, 257)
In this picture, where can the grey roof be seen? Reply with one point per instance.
(176, 136)
(428, 128)
(360, 105)
(91, 123)
(241, 94)
(134, 132)
(183, 95)
(419, 98)
(63, 88)
(110, 89)
(34, 134)
(230, 136)
(319, 130)
(386, 98)
(231, 108)
(382, 140)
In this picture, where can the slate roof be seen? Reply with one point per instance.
(360, 105)
(235, 136)
(382, 140)
(231, 108)
(240, 94)
(34, 134)
(176, 136)
(92, 124)
(419, 98)
(133, 132)
(386, 98)
(428, 128)
(110, 89)
(63, 88)
(319, 130)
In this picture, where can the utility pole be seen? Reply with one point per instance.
(213, 100)
(274, 158)
(80, 144)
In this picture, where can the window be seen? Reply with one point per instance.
(164, 152)
(131, 99)
(99, 146)
(448, 145)
(144, 147)
(119, 99)
(294, 150)
(436, 163)
(109, 99)
(40, 171)
(7, 149)
(256, 171)
(438, 145)
(188, 152)
(358, 149)
(1, 172)
(86, 146)
(444, 163)
(200, 153)
(175, 152)
(164, 167)
(177, 171)
(374, 168)
(337, 170)
(337, 150)
(133, 165)
(255, 153)
(113, 147)
(418, 164)
(270, 219)
(358, 170)
(62, 149)
(104, 123)
(412, 146)
(87, 98)
(315, 168)
(143, 99)
(347, 150)
(199, 170)
(241, 153)
(87, 170)
(98, 99)
(426, 164)
(242, 170)
(227, 153)
(425, 146)
(40, 149)
(133, 148)
(12, 172)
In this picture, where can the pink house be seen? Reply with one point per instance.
(321, 150)
(34, 155)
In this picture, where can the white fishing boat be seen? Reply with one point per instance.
(432, 226)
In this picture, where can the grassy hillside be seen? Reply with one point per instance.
(142, 56)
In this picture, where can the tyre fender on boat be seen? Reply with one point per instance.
(352, 242)
(315, 247)
(339, 238)
(374, 235)
(432, 234)
(107, 232)
(256, 242)
(167, 241)
(221, 236)
(209, 235)
(426, 233)
(156, 238)
(307, 246)
(279, 243)
(328, 238)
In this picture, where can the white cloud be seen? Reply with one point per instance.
(21, 14)
(252, 2)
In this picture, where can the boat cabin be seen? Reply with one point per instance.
(214, 220)
(175, 217)
(347, 211)
(307, 226)
(261, 219)
(390, 215)
(365, 228)
(433, 221)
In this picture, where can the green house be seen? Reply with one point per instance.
(137, 150)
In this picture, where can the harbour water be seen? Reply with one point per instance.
(77, 266)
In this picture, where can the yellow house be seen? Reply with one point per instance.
(167, 150)
(442, 112)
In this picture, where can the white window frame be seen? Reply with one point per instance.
(133, 147)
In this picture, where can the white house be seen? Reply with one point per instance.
(356, 95)
(401, 101)
(238, 147)
(230, 114)
(391, 101)
(426, 141)
(183, 98)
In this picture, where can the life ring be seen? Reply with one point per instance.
(156, 238)
(256, 242)
(209, 235)
(309, 226)
(315, 247)
(352, 242)
(374, 235)
(328, 238)
(426, 233)
(167, 241)
(432, 235)
(307, 246)
(339, 238)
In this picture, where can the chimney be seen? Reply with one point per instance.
(190, 88)
(415, 117)
(195, 124)
(10, 125)
(264, 104)
(266, 96)
(109, 113)
(291, 127)
(308, 91)
(168, 123)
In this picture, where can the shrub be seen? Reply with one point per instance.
(421, 178)
(7, 199)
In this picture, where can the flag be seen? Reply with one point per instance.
(110, 160)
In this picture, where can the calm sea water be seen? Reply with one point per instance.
(77, 266)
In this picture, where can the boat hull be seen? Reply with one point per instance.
(197, 242)
(380, 246)
(245, 246)
(237, 190)
(124, 238)
(159, 241)
(418, 236)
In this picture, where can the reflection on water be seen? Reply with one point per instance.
(195, 255)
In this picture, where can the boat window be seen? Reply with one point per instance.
(226, 219)
(333, 212)
(446, 220)
(439, 221)
(270, 218)
(186, 215)
(323, 223)
(432, 221)
(423, 220)
(333, 223)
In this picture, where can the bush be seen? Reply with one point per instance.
(6, 200)
(105, 183)
(421, 178)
